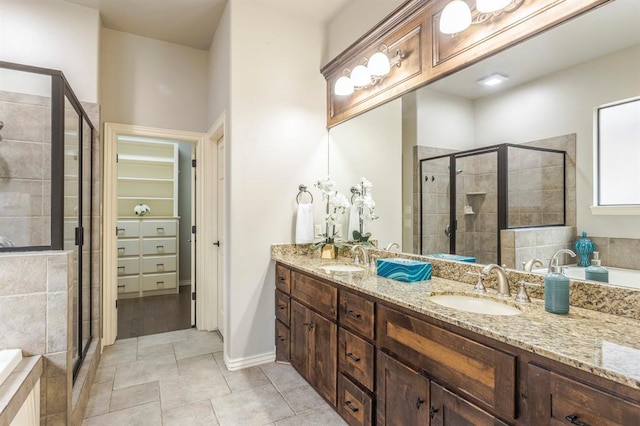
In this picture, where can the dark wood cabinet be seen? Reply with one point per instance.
(448, 409)
(354, 405)
(314, 342)
(283, 278)
(355, 358)
(283, 341)
(313, 292)
(402, 394)
(357, 314)
(282, 307)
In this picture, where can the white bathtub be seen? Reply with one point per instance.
(617, 276)
(9, 359)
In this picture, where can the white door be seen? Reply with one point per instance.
(193, 237)
(220, 203)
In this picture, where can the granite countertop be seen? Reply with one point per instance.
(600, 343)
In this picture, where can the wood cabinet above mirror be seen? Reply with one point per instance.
(428, 54)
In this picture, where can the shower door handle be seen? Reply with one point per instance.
(447, 230)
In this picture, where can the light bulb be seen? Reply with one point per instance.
(488, 6)
(455, 17)
(379, 64)
(344, 86)
(360, 76)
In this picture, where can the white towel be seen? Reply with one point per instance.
(354, 221)
(304, 224)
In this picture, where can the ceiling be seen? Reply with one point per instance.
(594, 34)
(191, 22)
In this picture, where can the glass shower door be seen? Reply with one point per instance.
(435, 204)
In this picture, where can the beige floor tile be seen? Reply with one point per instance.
(198, 344)
(134, 395)
(303, 398)
(153, 351)
(196, 414)
(98, 399)
(145, 371)
(283, 376)
(160, 338)
(116, 354)
(105, 373)
(126, 341)
(202, 364)
(318, 417)
(182, 390)
(256, 406)
(142, 415)
(246, 378)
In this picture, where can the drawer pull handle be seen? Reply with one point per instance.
(281, 307)
(309, 325)
(121, 269)
(281, 279)
(160, 248)
(419, 402)
(282, 339)
(573, 419)
(160, 283)
(351, 407)
(120, 250)
(160, 265)
(353, 357)
(432, 411)
(120, 230)
(353, 314)
(120, 285)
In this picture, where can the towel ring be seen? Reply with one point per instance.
(303, 190)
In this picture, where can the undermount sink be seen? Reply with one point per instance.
(342, 268)
(474, 304)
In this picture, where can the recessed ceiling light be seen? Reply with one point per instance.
(493, 79)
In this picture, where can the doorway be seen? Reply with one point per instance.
(144, 291)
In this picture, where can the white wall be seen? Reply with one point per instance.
(153, 83)
(219, 68)
(560, 104)
(370, 146)
(53, 34)
(277, 141)
(356, 18)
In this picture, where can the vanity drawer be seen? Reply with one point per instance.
(159, 246)
(283, 344)
(158, 264)
(358, 314)
(354, 405)
(128, 228)
(283, 278)
(128, 266)
(159, 282)
(128, 285)
(282, 307)
(484, 374)
(355, 358)
(128, 247)
(571, 400)
(159, 228)
(322, 296)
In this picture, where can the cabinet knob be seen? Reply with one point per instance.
(351, 407)
(574, 419)
(353, 357)
(432, 412)
(419, 402)
(353, 314)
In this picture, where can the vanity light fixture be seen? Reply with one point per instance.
(493, 79)
(457, 16)
(369, 73)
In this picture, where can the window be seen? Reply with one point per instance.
(617, 155)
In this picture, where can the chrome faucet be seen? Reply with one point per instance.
(528, 267)
(554, 261)
(503, 281)
(392, 245)
(365, 254)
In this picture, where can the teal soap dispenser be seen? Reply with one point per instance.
(556, 286)
(596, 272)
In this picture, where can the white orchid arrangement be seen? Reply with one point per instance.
(141, 210)
(366, 209)
(337, 203)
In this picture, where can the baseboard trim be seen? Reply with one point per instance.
(252, 361)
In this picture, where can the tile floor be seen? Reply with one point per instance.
(179, 378)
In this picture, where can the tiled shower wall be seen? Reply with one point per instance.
(25, 168)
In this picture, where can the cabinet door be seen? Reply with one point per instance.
(299, 338)
(403, 394)
(323, 352)
(282, 342)
(449, 409)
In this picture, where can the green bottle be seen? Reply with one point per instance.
(596, 272)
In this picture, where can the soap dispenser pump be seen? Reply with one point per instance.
(596, 272)
(556, 286)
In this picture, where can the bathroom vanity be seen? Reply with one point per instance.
(381, 353)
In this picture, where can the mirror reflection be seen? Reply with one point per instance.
(555, 82)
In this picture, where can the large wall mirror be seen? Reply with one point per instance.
(555, 82)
